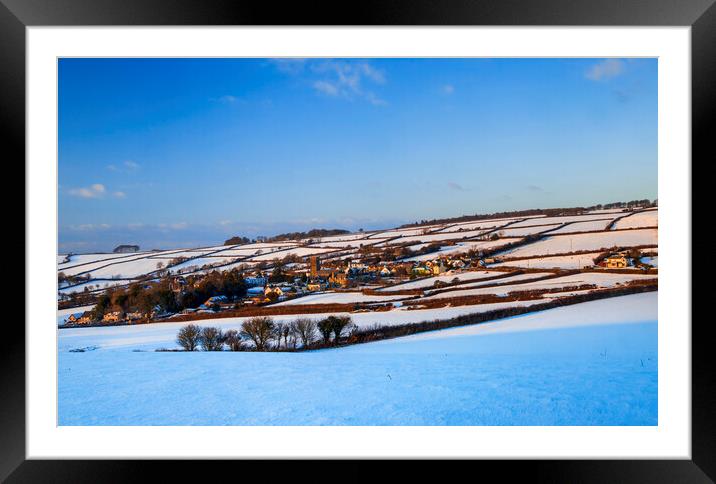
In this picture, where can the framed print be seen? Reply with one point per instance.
(421, 233)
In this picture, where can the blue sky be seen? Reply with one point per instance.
(186, 152)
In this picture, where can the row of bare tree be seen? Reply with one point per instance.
(264, 334)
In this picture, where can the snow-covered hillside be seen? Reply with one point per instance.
(589, 364)
(96, 272)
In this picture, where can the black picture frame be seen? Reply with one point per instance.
(700, 15)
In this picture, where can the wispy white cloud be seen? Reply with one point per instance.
(227, 99)
(337, 78)
(96, 190)
(326, 87)
(89, 227)
(126, 166)
(447, 89)
(290, 65)
(605, 69)
(174, 226)
(348, 80)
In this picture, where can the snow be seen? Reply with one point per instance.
(125, 269)
(601, 279)
(405, 232)
(228, 267)
(201, 261)
(629, 309)
(639, 219)
(338, 298)
(447, 278)
(569, 218)
(607, 210)
(299, 251)
(592, 226)
(433, 237)
(269, 245)
(579, 242)
(556, 262)
(243, 252)
(129, 264)
(92, 285)
(589, 364)
(149, 337)
(342, 238)
(79, 259)
(461, 247)
(523, 231)
(481, 224)
(348, 243)
(654, 261)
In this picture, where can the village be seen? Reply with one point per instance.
(379, 271)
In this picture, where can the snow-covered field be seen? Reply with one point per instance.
(80, 259)
(591, 226)
(648, 218)
(202, 261)
(589, 364)
(298, 251)
(578, 242)
(570, 218)
(482, 224)
(404, 232)
(123, 268)
(523, 231)
(348, 243)
(461, 248)
(448, 277)
(504, 280)
(433, 237)
(126, 269)
(555, 262)
(602, 280)
(93, 285)
(149, 337)
(338, 298)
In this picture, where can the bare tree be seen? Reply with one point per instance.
(292, 335)
(325, 327)
(188, 337)
(306, 330)
(338, 324)
(286, 332)
(211, 339)
(259, 330)
(278, 333)
(233, 340)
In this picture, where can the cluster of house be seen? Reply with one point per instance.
(617, 260)
(439, 266)
(111, 317)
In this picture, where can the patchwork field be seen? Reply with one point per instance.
(641, 219)
(560, 244)
(98, 271)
